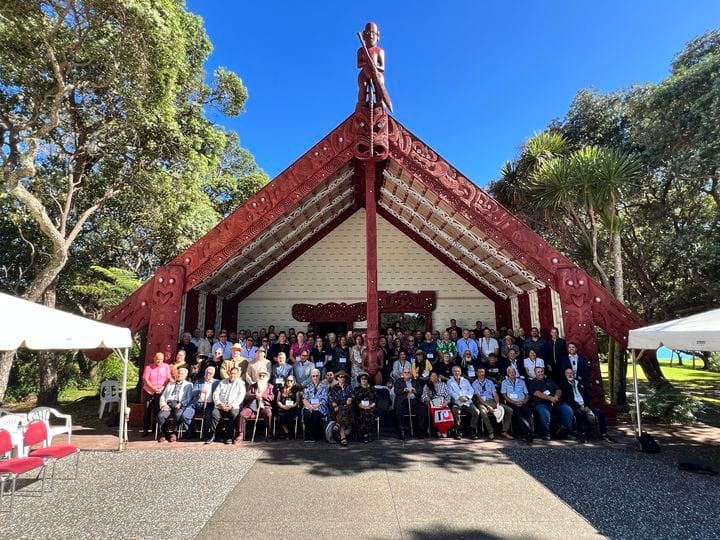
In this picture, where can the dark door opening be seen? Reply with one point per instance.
(324, 328)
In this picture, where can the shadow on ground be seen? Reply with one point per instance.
(625, 493)
(322, 459)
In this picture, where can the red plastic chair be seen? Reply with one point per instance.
(36, 433)
(11, 468)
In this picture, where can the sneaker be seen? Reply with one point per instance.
(474, 436)
(606, 437)
(507, 435)
(210, 439)
(458, 436)
(228, 441)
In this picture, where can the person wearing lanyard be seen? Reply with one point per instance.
(224, 345)
(515, 394)
(281, 371)
(488, 344)
(487, 398)
(467, 344)
(461, 393)
(579, 364)
(575, 394)
(400, 364)
(531, 362)
(512, 362)
(175, 400)
(315, 406)
(228, 397)
(429, 347)
(203, 397)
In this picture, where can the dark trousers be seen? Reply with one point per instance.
(152, 406)
(523, 419)
(231, 415)
(418, 409)
(313, 424)
(287, 419)
(586, 417)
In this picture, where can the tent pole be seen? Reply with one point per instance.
(122, 435)
(637, 393)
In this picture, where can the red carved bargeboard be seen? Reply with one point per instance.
(329, 312)
(165, 302)
(407, 301)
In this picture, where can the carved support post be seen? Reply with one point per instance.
(165, 304)
(373, 311)
(576, 300)
(545, 311)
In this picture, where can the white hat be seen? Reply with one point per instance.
(499, 413)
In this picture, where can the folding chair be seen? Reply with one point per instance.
(36, 433)
(11, 468)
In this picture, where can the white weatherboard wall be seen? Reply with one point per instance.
(333, 270)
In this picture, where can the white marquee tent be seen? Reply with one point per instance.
(699, 332)
(34, 326)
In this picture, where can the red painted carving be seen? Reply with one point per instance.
(575, 297)
(191, 311)
(361, 129)
(134, 312)
(503, 314)
(545, 311)
(330, 312)
(407, 301)
(524, 313)
(165, 304)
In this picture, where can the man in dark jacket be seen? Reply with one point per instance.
(575, 394)
(407, 399)
(579, 364)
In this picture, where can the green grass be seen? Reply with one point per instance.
(702, 384)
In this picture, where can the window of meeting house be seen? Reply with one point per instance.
(408, 322)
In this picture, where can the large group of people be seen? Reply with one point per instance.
(461, 382)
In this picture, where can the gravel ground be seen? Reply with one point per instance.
(134, 494)
(627, 494)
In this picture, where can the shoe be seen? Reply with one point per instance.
(307, 439)
(546, 437)
(173, 438)
(162, 439)
(145, 433)
(210, 439)
(474, 436)
(606, 437)
(228, 441)
(571, 437)
(458, 436)
(366, 439)
(343, 442)
(507, 435)
(236, 440)
(491, 436)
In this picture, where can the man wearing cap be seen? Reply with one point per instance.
(255, 365)
(258, 404)
(488, 401)
(461, 394)
(236, 360)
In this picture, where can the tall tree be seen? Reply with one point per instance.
(100, 102)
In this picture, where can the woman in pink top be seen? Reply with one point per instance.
(298, 347)
(155, 377)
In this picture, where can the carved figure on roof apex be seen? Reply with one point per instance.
(371, 62)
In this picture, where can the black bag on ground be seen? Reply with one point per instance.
(648, 444)
(696, 466)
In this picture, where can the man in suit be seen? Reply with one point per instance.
(555, 349)
(575, 394)
(579, 364)
(174, 401)
(407, 398)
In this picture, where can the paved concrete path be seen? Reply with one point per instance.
(438, 489)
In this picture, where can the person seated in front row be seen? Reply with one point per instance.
(575, 394)
(257, 404)
(203, 396)
(436, 395)
(175, 400)
(461, 394)
(407, 401)
(341, 397)
(228, 397)
(546, 398)
(516, 396)
(365, 400)
(488, 401)
(289, 399)
(315, 407)
(444, 367)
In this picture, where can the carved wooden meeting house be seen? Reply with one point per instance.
(372, 220)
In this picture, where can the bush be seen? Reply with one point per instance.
(670, 406)
(714, 362)
(111, 369)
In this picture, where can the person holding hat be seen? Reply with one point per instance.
(340, 398)
(365, 400)
(236, 360)
(258, 404)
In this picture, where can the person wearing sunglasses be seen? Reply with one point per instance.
(289, 397)
(341, 404)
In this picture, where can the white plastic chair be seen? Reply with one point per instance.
(14, 424)
(44, 413)
(109, 394)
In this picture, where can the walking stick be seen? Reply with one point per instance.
(410, 416)
(257, 417)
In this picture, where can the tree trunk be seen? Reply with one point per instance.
(619, 380)
(47, 361)
(651, 368)
(6, 362)
(88, 367)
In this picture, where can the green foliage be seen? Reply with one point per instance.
(714, 362)
(671, 406)
(107, 287)
(111, 369)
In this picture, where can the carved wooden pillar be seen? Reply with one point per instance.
(503, 315)
(524, 312)
(545, 311)
(165, 303)
(573, 287)
(373, 310)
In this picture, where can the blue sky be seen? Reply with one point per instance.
(473, 79)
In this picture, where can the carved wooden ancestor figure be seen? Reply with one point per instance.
(373, 357)
(371, 62)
